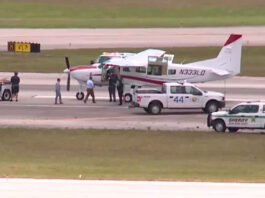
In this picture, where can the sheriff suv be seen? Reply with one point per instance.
(247, 115)
(177, 96)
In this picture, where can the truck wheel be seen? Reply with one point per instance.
(219, 126)
(232, 130)
(146, 110)
(211, 107)
(128, 97)
(6, 95)
(80, 95)
(154, 108)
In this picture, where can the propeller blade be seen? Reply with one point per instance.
(68, 78)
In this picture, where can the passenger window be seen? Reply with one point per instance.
(263, 108)
(177, 90)
(126, 69)
(193, 91)
(171, 72)
(140, 70)
(154, 70)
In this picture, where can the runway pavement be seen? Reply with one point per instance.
(36, 108)
(32, 188)
(132, 38)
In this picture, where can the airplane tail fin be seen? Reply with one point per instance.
(228, 59)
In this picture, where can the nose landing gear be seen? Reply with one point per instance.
(80, 95)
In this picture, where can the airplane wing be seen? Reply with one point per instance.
(138, 60)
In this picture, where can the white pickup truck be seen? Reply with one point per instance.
(177, 96)
(246, 115)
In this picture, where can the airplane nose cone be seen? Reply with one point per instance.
(66, 71)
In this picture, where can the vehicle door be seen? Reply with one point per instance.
(177, 97)
(193, 97)
(244, 116)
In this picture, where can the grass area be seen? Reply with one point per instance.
(132, 155)
(253, 59)
(126, 13)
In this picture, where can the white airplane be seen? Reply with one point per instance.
(155, 67)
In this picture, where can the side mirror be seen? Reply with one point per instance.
(92, 62)
(229, 111)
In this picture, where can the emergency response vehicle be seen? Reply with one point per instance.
(5, 90)
(246, 115)
(177, 96)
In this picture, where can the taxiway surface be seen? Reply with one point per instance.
(131, 38)
(36, 107)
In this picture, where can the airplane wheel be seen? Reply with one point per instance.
(6, 95)
(128, 97)
(80, 95)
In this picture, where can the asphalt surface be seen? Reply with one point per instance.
(36, 107)
(131, 38)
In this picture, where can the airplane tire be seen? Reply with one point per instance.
(80, 95)
(128, 97)
(6, 95)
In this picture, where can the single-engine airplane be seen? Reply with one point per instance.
(155, 67)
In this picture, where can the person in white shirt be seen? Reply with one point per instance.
(90, 90)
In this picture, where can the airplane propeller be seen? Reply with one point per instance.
(68, 71)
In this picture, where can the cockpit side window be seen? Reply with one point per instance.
(171, 72)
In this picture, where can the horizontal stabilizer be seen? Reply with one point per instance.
(220, 72)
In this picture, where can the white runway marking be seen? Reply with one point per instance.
(43, 188)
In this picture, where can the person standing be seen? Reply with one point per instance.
(58, 91)
(15, 80)
(112, 87)
(120, 89)
(90, 90)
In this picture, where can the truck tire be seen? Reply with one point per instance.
(232, 130)
(211, 107)
(128, 97)
(219, 126)
(6, 95)
(155, 108)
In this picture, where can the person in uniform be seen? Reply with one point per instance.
(120, 89)
(58, 91)
(112, 86)
(15, 80)
(90, 90)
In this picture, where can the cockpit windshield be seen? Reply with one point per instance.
(103, 59)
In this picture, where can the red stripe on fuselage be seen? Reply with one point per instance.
(157, 82)
(82, 67)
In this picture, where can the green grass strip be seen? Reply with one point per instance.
(253, 59)
(132, 155)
